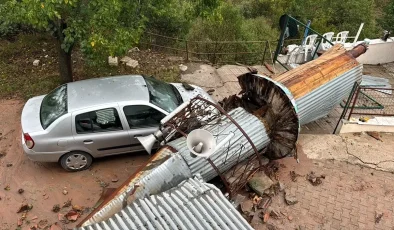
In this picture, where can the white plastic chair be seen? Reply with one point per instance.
(325, 45)
(309, 44)
(341, 37)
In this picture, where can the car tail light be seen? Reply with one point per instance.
(28, 140)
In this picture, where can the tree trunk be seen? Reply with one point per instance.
(65, 64)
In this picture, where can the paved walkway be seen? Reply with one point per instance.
(349, 197)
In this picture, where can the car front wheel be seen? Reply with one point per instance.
(76, 161)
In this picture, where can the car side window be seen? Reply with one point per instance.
(141, 116)
(102, 120)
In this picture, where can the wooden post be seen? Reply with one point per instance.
(265, 50)
(187, 51)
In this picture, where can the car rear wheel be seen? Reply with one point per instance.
(76, 161)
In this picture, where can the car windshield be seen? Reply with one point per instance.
(53, 106)
(163, 95)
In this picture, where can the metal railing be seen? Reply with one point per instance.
(215, 52)
(368, 100)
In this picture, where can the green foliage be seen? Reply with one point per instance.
(170, 17)
(98, 26)
(388, 17)
(226, 23)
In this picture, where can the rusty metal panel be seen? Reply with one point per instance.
(323, 99)
(192, 204)
(234, 151)
(165, 171)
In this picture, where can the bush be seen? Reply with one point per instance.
(227, 23)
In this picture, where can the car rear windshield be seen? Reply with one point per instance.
(163, 95)
(53, 106)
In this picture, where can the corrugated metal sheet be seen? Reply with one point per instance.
(322, 100)
(190, 205)
(229, 155)
(163, 173)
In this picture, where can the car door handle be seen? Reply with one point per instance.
(88, 141)
(138, 135)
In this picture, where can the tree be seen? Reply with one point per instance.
(388, 17)
(97, 26)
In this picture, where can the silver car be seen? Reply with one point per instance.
(94, 118)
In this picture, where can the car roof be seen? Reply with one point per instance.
(98, 91)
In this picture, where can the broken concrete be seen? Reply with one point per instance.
(290, 199)
(260, 183)
(360, 149)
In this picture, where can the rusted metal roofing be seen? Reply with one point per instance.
(323, 99)
(310, 76)
(192, 204)
(316, 87)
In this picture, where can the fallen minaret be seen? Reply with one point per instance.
(263, 121)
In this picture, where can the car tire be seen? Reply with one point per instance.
(76, 161)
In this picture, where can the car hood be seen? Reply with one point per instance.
(31, 115)
(189, 94)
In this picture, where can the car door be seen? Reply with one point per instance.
(142, 120)
(100, 131)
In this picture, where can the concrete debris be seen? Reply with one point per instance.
(113, 61)
(238, 200)
(290, 199)
(36, 62)
(125, 59)
(55, 226)
(65, 192)
(290, 218)
(133, 64)
(315, 180)
(247, 206)
(260, 182)
(182, 67)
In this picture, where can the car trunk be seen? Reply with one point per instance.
(31, 115)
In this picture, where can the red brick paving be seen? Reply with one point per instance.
(347, 199)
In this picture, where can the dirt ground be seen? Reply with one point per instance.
(44, 183)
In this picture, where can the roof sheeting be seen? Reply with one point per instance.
(163, 171)
(234, 151)
(192, 204)
(319, 102)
